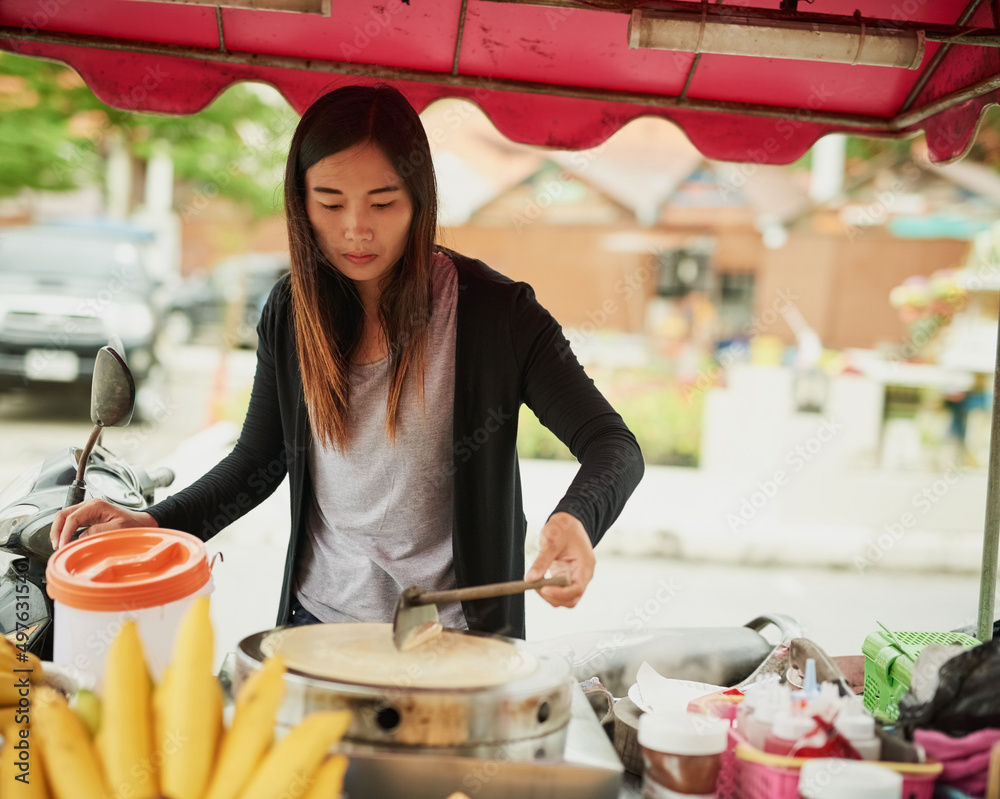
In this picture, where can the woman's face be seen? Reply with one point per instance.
(360, 211)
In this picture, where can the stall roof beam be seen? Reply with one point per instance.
(736, 15)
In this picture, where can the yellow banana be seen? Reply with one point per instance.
(11, 686)
(8, 658)
(159, 733)
(328, 782)
(190, 708)
(12, 715)
(72, 767)
(37, 672)
(14, 662)
(126, 741)
(251, 732)
(288, 769)
(218, 702)
(20, 778)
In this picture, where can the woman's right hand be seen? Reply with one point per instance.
(98, 516)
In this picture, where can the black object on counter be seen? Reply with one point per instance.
(966, 698)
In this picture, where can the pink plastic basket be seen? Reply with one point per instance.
(748, 773)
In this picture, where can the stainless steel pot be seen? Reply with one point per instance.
(525, 718)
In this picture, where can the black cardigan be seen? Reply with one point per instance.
(509, 350)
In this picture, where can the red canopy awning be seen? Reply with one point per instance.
(555, 76)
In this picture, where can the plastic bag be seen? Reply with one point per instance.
(967, 698)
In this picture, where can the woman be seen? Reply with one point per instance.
(389, 376)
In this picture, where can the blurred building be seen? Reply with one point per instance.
(607, 233)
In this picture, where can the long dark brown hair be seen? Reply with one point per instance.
(326, 305)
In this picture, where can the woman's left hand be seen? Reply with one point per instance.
(565, 548)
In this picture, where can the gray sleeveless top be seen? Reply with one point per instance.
(382, 515)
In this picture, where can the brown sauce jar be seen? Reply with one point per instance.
(682, 754)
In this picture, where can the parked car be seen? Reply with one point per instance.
(65, 292)
(225, 302)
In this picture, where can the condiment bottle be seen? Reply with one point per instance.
(757, 725)
(681, 753)
(833, 778)
(789, 736)
(828, 703)
(858, 727)
(753, 694)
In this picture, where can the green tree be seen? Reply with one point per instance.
(56, 134)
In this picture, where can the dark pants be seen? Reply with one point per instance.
(301, 616)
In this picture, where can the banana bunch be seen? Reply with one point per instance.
(168, 741)
(17, 670)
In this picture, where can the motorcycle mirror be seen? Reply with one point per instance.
(112, 392)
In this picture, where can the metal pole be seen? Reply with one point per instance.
(991, 535)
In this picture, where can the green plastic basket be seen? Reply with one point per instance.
(889, 669)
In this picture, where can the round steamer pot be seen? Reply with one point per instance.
(526, 718)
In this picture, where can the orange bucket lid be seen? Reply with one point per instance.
(142, 567)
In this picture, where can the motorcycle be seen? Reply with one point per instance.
(29, 505)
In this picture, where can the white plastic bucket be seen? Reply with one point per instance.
(97, 583)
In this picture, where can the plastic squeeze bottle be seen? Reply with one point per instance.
(858, 727)
(828, 703)
(753, 695)
(787, 735)
(774, 699)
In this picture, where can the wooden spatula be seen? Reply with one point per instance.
(416, 618)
